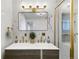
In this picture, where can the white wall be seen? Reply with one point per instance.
(6, 20)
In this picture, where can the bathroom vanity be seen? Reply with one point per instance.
(25, 50)
(31, 51)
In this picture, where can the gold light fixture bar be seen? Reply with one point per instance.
(34, 9)
(37, 7)
(71, 29)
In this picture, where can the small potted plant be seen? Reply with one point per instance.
(32, 37)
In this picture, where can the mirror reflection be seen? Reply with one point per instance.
(33, 21)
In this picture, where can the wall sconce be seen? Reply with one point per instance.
(8, 32)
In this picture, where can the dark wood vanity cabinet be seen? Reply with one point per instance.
(50, 54)
(22, 54)
(31, 54)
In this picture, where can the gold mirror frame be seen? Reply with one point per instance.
(71, 27)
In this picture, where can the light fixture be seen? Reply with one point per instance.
(37, 6)
(33, 10)
(23, 6)
(30, 6)
(44, 6)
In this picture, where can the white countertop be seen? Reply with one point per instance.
(26, 46)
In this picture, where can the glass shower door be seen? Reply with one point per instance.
(68, 31)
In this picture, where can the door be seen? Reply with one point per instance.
(65, 24)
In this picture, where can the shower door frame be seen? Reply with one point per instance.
(71, 27)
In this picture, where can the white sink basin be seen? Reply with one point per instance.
(26, 46)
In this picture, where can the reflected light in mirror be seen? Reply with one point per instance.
(40, 14)
(68, 5)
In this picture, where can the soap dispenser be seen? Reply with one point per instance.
(48, 40)
(43, 37)
(16, 41)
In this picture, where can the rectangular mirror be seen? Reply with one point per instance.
(33, 21)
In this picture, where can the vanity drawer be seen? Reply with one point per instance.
(50, 52)
(22, 52)
(22, 57)
(50, 56)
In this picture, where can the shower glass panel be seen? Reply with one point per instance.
(64, 32)
(65, 42)
(65, 27)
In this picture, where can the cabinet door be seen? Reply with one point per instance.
(22, 54)
(50, 54)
